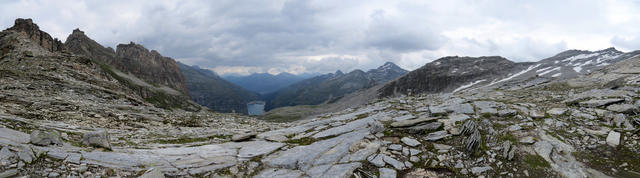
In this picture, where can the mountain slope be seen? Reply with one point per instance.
(154, 77)
(331, 87)
(264, 83)
(208, 89)
(450, 74)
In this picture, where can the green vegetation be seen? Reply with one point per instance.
(536, 161)
(605, 158)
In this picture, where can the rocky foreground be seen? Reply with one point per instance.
(550, 132)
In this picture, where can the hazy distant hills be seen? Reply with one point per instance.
(208, 89)
(264, 83)
(332, 86)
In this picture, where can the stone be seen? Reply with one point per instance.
(280, 173)
(507, 112)
(543, 148)
(393, 162)
(441, 146)
(243, 136)
(387, 173)
(258, 148)
(486, 107)
(465, 108)
(623, 108)
(152, 173)
(506, 147)
(395, 147)
(514, 128)
(376, 127)
(45, 138)
(437, 135)
(458, 117)
(414, 152)
(342, 170)
(620, 120)
(414, 159)
(424, 127)
(6, 156)
(459, 165)
(600, 102)
(376, 160)
(409, 141)
(26, 155)
(404, 117)
(480, 170)
(9, 173)
(98, 138)
(536, 114)
(53, 175)
(412, 122)
(527, 140)
(613, 139)
(557, 111)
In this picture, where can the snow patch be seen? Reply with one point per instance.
(543, 69)
(546, 72)
(577, 69)
(556, 75)
(580, 56)
(515, 75)
(467, 86)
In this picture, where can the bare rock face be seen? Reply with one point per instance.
(450, 74)
(150, 65)
(32, 30)
(80, 43)
(98, 138)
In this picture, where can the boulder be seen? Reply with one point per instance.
(412, 122)
(153, 173)
(556, 111)
(243, 136)
(387, 173)
(600, 102)
(613, 139)
(98, 138)
(535, 114)
(527, 140)
(421, 128)
(480, 170)
(45, 138)
(409, 141)
(437, 135)
(623, 108)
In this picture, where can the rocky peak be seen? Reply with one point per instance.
(338, 72)
(31, 30)
(150, 66)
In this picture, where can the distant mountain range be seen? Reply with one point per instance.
(333, 86)
(264, 83)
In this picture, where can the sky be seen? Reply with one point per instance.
(322, 36)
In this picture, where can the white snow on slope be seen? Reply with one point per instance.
(556, 75)
(546, 72)
(578, 69)
(467, 86)
(515, 75)
(580, 56)
(543, 69)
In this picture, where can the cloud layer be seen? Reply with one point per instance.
(322, 36)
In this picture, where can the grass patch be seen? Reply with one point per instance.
(536, 161)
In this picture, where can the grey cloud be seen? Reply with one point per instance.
(284, 35)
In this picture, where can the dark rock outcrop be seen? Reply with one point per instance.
(32, 30)
(449, 73)
(150, 65)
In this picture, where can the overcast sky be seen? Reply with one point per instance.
(238, 36)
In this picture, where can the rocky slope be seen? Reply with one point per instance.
(156, 78)
(331, 87)
(208, 89)
(450, 74)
